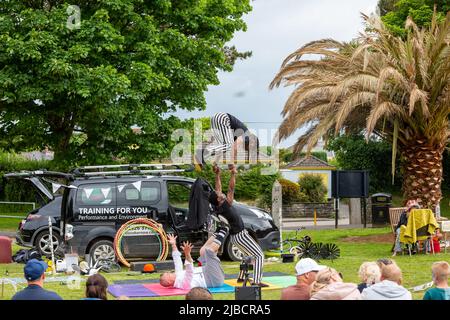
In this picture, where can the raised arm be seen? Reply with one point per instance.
(230, 194)
(216, 170)
(189, 263)
(175, 253)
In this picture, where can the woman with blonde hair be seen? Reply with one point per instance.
(329, 286)
(369, 273)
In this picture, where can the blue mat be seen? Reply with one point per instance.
(226, 288)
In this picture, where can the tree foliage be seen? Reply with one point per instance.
(130, 63)
(395, 13)
(353, 152)
(313, 187)
(291, 192)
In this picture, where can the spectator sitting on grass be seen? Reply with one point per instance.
(306, 270)
(440, 272)
(34, 272)
(199, 293)
(390, 286)
(369, 273)
(96, 286)
(329, 286)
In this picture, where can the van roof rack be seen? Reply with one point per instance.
(131, 169)
(38, 173)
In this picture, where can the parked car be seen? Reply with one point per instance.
(95, 205)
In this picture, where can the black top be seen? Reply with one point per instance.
(35, 292)
(198, 204)
(235, 220)
(237, 124)
(403, 221)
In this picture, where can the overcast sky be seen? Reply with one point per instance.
(275, 28)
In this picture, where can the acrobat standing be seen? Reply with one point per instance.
(239, 236)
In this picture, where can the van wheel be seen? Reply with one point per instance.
(232, 252)
(102, 250)
(43, 244)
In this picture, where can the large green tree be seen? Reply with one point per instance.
(395, 12)
(80, 89)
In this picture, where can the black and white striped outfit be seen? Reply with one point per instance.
(222, 131)
(240, 237)
(226, 129)
(244, 241)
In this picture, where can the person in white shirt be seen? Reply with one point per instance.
(209, 275)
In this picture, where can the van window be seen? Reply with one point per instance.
(148, 193)
(95, 194)
(179, 194)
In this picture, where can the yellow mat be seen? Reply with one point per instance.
(234, 283)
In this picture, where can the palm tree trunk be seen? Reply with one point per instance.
(422, 172)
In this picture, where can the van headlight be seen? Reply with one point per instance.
(261, 214)
(69, 232)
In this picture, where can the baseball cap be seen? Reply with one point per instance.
(34, 269)
(307, 265)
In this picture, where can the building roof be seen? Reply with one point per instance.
(309, 163)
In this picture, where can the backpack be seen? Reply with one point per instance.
(22, 256)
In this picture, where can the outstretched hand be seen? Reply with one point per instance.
(232, 168)
(216, 169)
(187, 248)
(172, 239)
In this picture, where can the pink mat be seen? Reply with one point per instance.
(163, 291)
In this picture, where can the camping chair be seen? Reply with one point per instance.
(394, 218)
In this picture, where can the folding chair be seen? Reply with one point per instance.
(394, 218)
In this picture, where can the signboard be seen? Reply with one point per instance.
(445, 226)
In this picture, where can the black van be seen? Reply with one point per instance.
(99, 199)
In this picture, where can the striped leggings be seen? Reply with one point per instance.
(223, 133)
(250, 248)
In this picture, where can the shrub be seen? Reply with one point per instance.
(313, 187)
(291, 192)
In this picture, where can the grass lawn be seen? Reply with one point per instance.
(9, 224)
(416, 269)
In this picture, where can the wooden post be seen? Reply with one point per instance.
(315, 217)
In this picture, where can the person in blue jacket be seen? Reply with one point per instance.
(34, 271)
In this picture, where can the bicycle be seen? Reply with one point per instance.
(304, 247)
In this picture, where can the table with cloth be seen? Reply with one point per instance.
(421, 225)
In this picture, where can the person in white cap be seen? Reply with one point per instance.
(306, 270)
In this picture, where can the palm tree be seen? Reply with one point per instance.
(397, 89)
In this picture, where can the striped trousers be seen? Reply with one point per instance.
(250, 248)
(223, 133)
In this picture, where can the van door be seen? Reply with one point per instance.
(91, 212)
(178, 193)
(139, 199)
